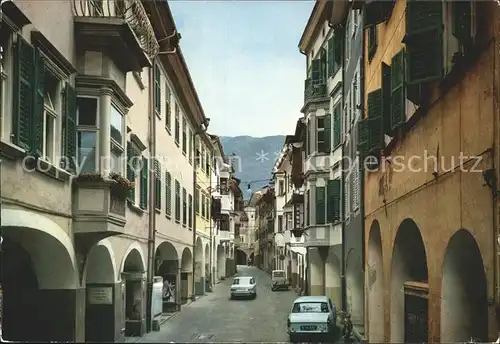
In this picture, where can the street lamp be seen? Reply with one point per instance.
(201, 129)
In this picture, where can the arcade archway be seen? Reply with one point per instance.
(167, 266)
(221, 262)
(208, 273)
(241, 257)
(186, 271)
(333, 284)
(354, 286)
(375, 285)
(464, 301)
(199, 269)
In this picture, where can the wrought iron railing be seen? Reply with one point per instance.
(314, 90)
(131, 10)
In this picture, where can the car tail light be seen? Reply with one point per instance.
(288, 322)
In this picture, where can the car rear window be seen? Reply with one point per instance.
(236, 281)
(278, 274)
(310, 307)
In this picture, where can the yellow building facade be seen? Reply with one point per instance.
(428, 138)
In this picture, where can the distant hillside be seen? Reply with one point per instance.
(255, 157)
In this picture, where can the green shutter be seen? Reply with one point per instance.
(316, 71)
(424, 41)
(338, 52)
(168, 194)
(320, 205)
(375, 124)
(336, 126)
(157, 89)
(197, 200)
(363, 137)
(333, 200)
(157, 180)
(372, 41)
(378, 11)
(322, 57)
(190, 211)
(144, 183)
(39, 106)
(461, 21)
(331, 56)
(308, 207)
(70, 109)
(398, 97)
(328, 133)
(24, 80)
(130, 169)
(386, 98)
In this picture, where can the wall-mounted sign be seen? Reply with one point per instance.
(100, 295)
(297, 214)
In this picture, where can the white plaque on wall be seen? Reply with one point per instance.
(100, 295)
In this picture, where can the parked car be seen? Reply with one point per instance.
(312, 317)
(244, 286)
(278, 280)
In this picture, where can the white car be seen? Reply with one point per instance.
(312, 317)
(244, 286)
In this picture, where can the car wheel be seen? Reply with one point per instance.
(231, 297)
(292, 338)
(254, 296)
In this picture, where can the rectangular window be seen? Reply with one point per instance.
(168, 194)
(320, 205)
(177, 202)
(203, 158)
(281, 188)
(184, 135)
(207, 205)
(333, 200)
(323, 131)
(158, 90)
(190, 212)
(133, 167)
(203, 209)
(184, 207)
(197, 199)
(51, 116)
(177, 124)
(168, 115)
(87, 117)
(116, 133)
(207, 163)
(280, 223)
(190, 146)
(336, 125)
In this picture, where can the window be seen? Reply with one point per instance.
(184, 207)
(177, 202)
(207, 205)
(323, 134)
(144, 187)
(281, 187)
(190, 211)
(87, 117)
(207, 163)
(336, 125)
(177, 124)
(157, 183)
(197, 199)
(184, 135)
(133, 168)
(355, 186)
(116, 132)
(168, 194)
(333, 199)
(347, 184)
(52, 104)
(310, 307)
(280, 223)
(372, 41)
(203, 209)
(203, 166)
(168, 118)
(190, 145)
(158, 90)
(320, 205)
(348, 40)
(355, 16)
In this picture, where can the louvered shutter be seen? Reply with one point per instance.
(338, 52)
(39, 106)
(69, 115)
(24, 80)
(375, 124)
(424, 41)
(184, 206)
(323, 73)
(355, 187)
(177, 201)
(168, 194)
(347, 184)
(333, 200)
(327, 134)
(320, 205)
(157, 170)
(336, 126)
(362, 137)
(372, 41)
(144, 183)
(331, 56)
(130, 169)
(386, 98)
(190, 211)
(398, 99)
(316, 71)
(157, 89)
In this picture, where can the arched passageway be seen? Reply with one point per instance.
(221, 262)
(354, 286)
(208, 259)
(186, 271)
(100, 278)
(241, 257)
(167, 266)
(199, 269)
(375, 285)
(333, 283)
(464, 304)
(134, 293)
(38, 278)
(317, 274)
(409, 286)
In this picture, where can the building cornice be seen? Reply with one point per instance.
(316, 19)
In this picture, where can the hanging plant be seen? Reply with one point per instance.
(297, 233)
(282, 257)
(89, 177)
(122, 186)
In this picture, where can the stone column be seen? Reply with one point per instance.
(105, 131)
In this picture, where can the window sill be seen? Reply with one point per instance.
(178, 221)
(158, 211)
(183, 225)
(136, 209)
(140, 82)
(168, 216)
(177, 144)
(52, 171)
(168, 130)
(11, 151)
(184, 153)
(158, 115)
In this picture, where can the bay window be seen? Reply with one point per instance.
(116, 133)
(87, 117)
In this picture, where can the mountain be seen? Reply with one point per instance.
(253, 159)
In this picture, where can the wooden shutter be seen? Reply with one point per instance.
(316, 71)
(202, 205)
(386, 98)
(184, 206)
(39, 104)
(323, 73)
(24, 80)
(375, 121)
(197, 200)
(398, 97)
(327, 134)
(338, 52)
(177, 201)
(157, 170)
(331, 56)
(424, 41)
(157, 89)
(333, 200)
(130, 170)
(336, 125)
(362, 137)
(372, 41)
(69, 115)
(320, 205)
(190, 211)
(144, 184)
(168, 194)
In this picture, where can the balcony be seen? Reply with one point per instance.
(314, 92)
(224, 236)
(120, 27)
(98, 208)
(323, 235)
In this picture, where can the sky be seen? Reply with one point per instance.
(245, 63)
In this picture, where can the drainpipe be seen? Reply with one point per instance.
(195, 164)
(152, 210)
(210, 226)
(342, 182)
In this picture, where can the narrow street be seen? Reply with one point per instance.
(215, 318)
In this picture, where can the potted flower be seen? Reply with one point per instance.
(297, 233)
(89, 177)
(121, 186)
(282, 257)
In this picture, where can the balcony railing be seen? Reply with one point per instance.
(314, 91)
(132, 11)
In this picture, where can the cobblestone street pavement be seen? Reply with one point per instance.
(214, 318)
